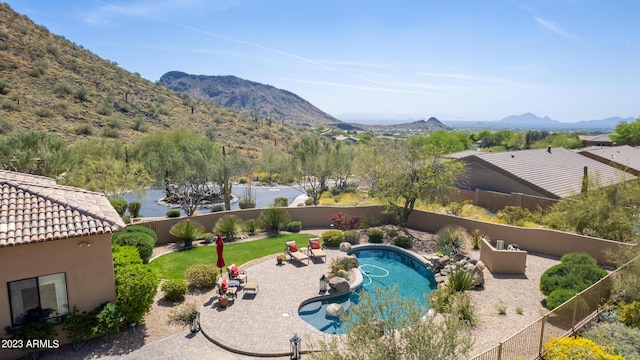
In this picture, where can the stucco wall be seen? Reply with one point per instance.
(502, 261)
(543, 241)
(312, 217)
(89, 270)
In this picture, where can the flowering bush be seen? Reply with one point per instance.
(577, 348)
(342, 221)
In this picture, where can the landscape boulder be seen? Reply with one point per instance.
(345, 247)
(339, 284)
(334, 310)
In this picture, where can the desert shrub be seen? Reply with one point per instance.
(246, 203)
(375, 236)
(108, 319)
(134, 209)
(558, 297)
(294, 226)
(460, 279)
(187, 231)
(332, 238)
(144, 243)
(352, 237)
(126, 219)
(476, 238)
(79, 326)
(83, 129)
(578, 258)
(391, 231)
(243, 180)
(460, 306)
(455, 208)
(182, 314)
(274, 219)
(342, 221)
(281, 202)
(44, 112)
(142, 229)
(230, 226)
(451, 239)
(340, 266)
(570, 276)
(624, 339)
(516, 214)
(217, 208)
(5, 86)
(629, 314)
(201, 275)
(174, 289)
(404, 242)
(125, 255)
(119, 204)
(309, 201)
(577, 348)
(439, 299)
(110, 132)
(136, 286)
(173, 213)
(251, 227)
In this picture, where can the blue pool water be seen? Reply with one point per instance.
(380, 269)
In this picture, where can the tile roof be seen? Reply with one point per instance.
(557, 173)
(624, 156)
(35, 208)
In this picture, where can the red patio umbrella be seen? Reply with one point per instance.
(219, 250)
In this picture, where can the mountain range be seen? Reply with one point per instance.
(249, 97)
(529, 121)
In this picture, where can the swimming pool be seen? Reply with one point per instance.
(381, 267)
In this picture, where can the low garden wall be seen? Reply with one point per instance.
(537, 240)
(502, 261)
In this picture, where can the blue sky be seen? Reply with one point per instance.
(456, 60)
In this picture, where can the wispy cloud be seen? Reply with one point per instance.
(105, 14)
(551, 26)
(364, 87)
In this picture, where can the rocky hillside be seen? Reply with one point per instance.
(248, 97)
(432, 124)
(49, 83)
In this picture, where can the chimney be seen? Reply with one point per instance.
(549, 149)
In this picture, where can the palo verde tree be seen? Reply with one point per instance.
(182, 161)
(311, 165)
(386, 326)
(406, 171)
(30, 151)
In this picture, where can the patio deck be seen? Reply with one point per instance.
(261, 324)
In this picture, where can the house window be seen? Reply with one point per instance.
(36, 298)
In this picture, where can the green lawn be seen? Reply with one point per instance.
(173, 265)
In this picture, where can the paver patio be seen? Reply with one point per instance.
(263, 323)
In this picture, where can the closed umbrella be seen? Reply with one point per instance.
(219, 250)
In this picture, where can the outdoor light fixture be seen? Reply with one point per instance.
(84, 243)
(323, 284)
(195, 321)
(295, 347)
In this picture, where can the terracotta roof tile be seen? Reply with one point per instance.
(35, 208)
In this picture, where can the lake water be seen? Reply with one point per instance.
(263, 196)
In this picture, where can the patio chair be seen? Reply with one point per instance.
(316, 249)
(237, 274)
(291, 249)
(224, 289)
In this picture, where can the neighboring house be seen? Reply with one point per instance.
(553, 173)
(55, 249)
(596, 140)
(348, 139)
(625, 157)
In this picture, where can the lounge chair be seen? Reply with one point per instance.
(316, 249)
(291, 249)
(224, 289)
(237, 274)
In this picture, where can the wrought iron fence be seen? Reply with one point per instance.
(565, 320)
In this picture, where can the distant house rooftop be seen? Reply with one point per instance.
(625, 157)
(596, 140)
(35, 208)
(554, 172)
(346, 138)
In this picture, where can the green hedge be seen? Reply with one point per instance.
(333, 238)
(375, 236)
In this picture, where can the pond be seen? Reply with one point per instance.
(263, 196)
